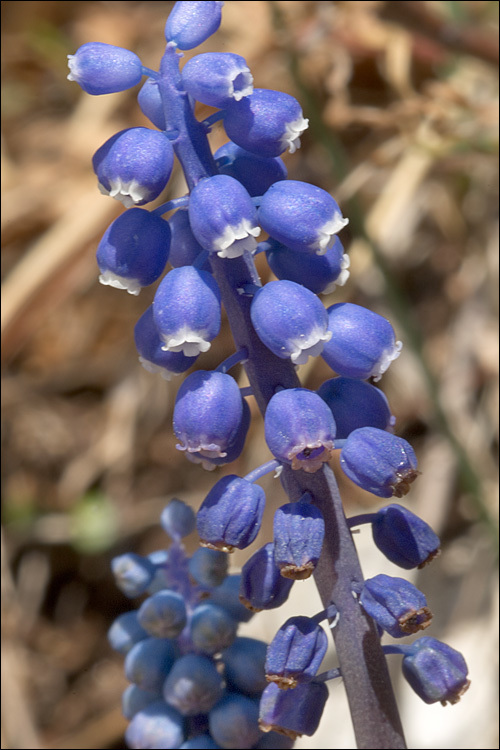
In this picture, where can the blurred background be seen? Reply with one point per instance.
(402, 99)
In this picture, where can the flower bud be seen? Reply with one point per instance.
(134, 699)
(379, 462)
(290, 320)
(104, 69)
(150, 103)
(152, 355)
(234, 448)
(436, 671)
(244, 668)
(396, 605)
(132, 573)
(227, 595)
(191, 23)
(296, 652)
(318, 273)
(293, 712)
(178, 519)
(186, 310)
(299, 429)
(156, 725)
(125, 632)
(207, 413)
(212, 629)
(184, 247)
(404, 538)
(200, 742)
(148, 663)
(134, 165)
(301, 216)
(163, 614)
(362, 344)
(223, 217)
(193, 685)
(266, 123)
(217, 78)
(355, 404)
(134, 250)
(231, 514)
(255, 173)
(208, 567)
(299, 530)
(262, 586)
(234, 721)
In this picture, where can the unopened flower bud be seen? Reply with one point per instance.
(262, 586)
(404, 538)
(191, 23)
(355, 404)
(296, 652)
(318, 273)
(104, 69)
(193, 685)
(396, 605)
(256, 173)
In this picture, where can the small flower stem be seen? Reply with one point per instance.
(231, 361)
(262, 470)
(361, 658)
(361, 519)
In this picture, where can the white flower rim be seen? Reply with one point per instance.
(108, 278)
(293, 130)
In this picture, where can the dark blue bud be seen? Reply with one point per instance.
(396, 605)
(148, 663)
(134, 165)
(296, 652)
(178, 519)
(208, 567)
(244, 665)
(208, 412)
(404, 538)
(156, 726)
(152, 355)
(227, 595)
(234, 721)
(186, 310)
(191, 23)
(223, 217)
(134, 699)
(149, 100)
(193, 685)
(299, 429)
(200, 742)
(293, 712)
(262, 586)
(217, 78)
(299, 530)
(290, 320)
(134, 250)
(266, 123)
(184, 247)
(256, 173)
(301, 216)
(320, 274)
(355, 404)
(162, 578)
(104, 69)
(212, 628)
(231, 514)
(436, 671)
(132, 573)
(379, 462)
(125, 632)
(163, 614)
(362, 344)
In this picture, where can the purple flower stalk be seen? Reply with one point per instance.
(192, 683)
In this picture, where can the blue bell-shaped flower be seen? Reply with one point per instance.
(134, 250)
(191, 23)
(362, 344)
(356, 404)
(184, 247)
(186, 310)
(262, 586)
(320, 274)
(404, 538)
(299, 429)
(150, 347)
(396, 605)
(255, 173)
(379, 462)
(299, 530)
(266, 123)
(234, 448)
(301, 216)
(223, 217)
(104, 69)
(231, 514)
(208, 412)
(293, 712)
(217, 78)
(290, 320)
(296, 652)
(435, 671)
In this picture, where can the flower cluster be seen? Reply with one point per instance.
(194, 682)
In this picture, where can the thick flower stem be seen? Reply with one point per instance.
(361, 659)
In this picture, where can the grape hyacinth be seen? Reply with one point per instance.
(194, 682)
